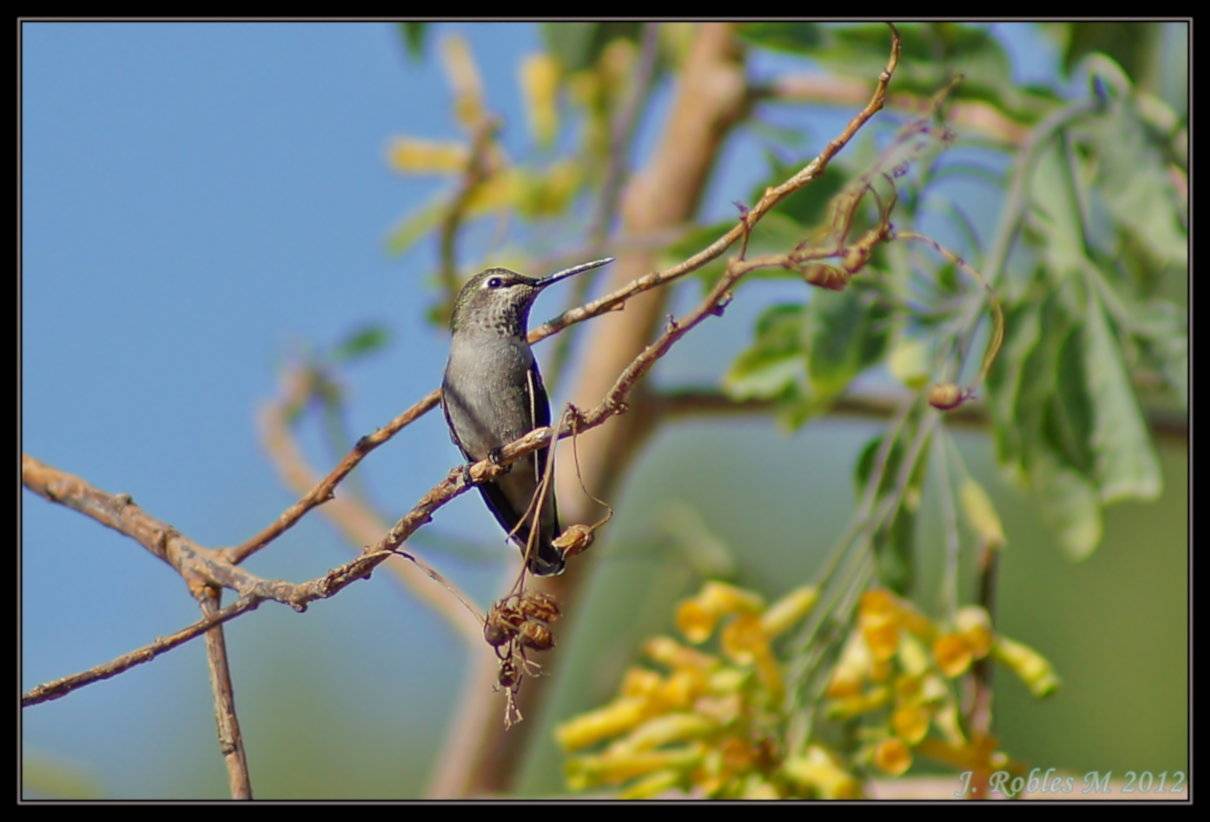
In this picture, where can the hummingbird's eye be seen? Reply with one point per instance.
(495, 282)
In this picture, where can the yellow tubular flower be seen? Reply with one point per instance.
(695, 621)
(789, 610)
(613, 768)
(756, 786)
(851, 706)
(891, 756)
(1033, 668)
(975, 626)
(540, 85)
(910, 723)
(769, 673)
(661, 730)
(953, 654)
(877, 601)
(678, 690)
(726, 681)
(463, 76)
(606, 721)
(881, 636)
(656, 784)
(667, 651)
(912, 655)
(744, 639)
(723, 710)
(852, 668)
(640, 682)
(821, 773)
(415, 156)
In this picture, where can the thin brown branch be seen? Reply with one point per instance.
(192, 561)
(230, 740)
(62, 686)
(978, 707)
(325, 489)
(355, 520)
(704, 401)
(976, 116)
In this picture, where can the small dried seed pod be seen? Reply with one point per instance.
(501, 624)
(575, 539)
(826, 276)
(537, 636)
(539, 605)
(496, 633)
(946, 396)
(508, 674)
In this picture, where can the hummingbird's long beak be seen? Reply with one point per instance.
(568, 272)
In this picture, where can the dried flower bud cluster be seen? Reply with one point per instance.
(517, 624)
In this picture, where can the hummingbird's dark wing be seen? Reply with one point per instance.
(509, 495)
(548, 559)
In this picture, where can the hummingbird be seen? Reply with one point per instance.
(492, 393)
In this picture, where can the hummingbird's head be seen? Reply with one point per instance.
(499, 300)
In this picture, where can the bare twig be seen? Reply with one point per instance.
(978, 117)
(708, 401)
(62, 686)
(357, 522)
(230, 740)
(325, 489)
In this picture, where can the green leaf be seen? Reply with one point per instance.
(980, 513)
(773, 366)
(1056, 214)
(365, 340)
(794, 38)
(413, 38)
(1132, 180)
(846, 333)
(416, 225)
(1126, 464)
(578, 45)
(1068, 416)
(1070, 506)
(1132, 44)
(931, 54)
(894, 544)
(1009, 377)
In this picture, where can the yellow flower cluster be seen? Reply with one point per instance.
(894, 672)
(706, 722)
(712, 723)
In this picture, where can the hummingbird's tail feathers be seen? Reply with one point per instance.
(548, 561)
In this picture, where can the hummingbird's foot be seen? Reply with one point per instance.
(466, 474)
(496, 457)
